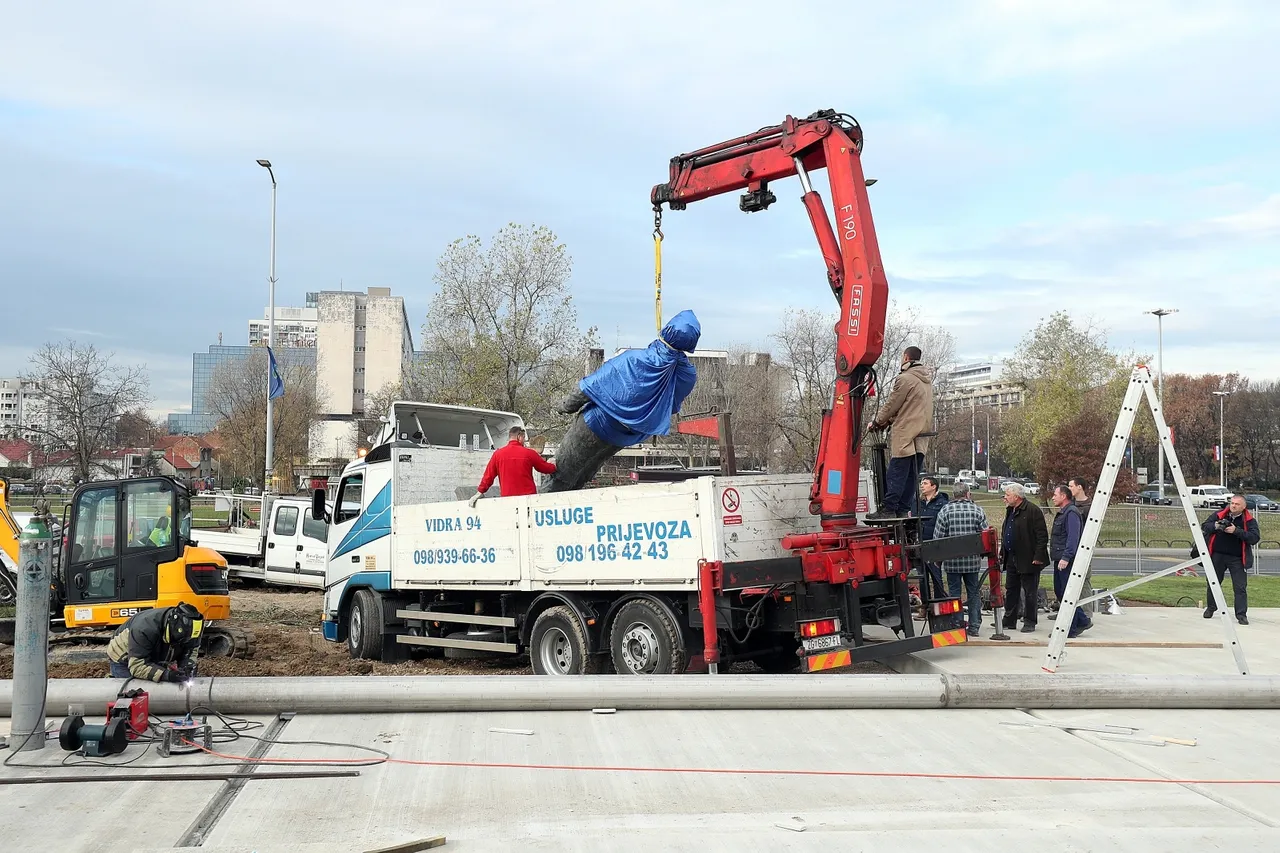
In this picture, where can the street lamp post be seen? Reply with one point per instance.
(973, 434)
(988, 442)
(1222, 447)
(271, 331)
(1160, 314)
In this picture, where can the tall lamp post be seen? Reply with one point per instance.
(267, 482)
(1160, 314)
(1222, 447)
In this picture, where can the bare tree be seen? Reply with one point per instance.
(806, 348)
(238, 396)
(502, 331)
(136, 428)
(81, 395)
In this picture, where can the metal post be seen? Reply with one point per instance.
(268, 480)
(31, 632)
(973, 435)
(1160, 314)
(989, 474)
(1137, 536)
(1222, 444)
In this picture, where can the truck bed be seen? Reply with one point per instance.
(650, 535)
(234, 542)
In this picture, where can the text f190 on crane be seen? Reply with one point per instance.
(774, 569)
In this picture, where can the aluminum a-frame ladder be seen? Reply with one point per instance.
(1139, 385)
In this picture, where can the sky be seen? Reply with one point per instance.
(1097, 157)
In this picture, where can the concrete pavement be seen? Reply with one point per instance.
(705, 781)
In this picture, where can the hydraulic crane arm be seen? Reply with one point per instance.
(833, 141)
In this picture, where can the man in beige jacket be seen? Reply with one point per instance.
(908, 412)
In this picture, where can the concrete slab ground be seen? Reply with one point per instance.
(1103, 648)
(703, 781)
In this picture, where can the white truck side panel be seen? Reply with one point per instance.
(438, 543)
(648, 534)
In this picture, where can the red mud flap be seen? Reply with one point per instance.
(837, 658)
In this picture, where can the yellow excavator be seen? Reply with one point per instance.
(126, 548)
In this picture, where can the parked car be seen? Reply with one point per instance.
(1152, 496)
(1261, 503)
(1032, 488)
(1209, 497)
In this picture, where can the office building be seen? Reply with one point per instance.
(295, 327)
(977, 385)
(205, 365)
(363, 344)
(23, 413)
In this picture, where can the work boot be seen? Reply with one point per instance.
(1242, 619)
(1028, 629)
(882, 515)
(1208, 612)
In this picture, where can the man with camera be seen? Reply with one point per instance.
(1232, 533)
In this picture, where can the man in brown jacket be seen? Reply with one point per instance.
(908, 412)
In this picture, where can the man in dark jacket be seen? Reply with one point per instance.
(1024, 552)
(1232, 533)
(1064, 540)
(1079, 487)
(161, 644)
(931, 503)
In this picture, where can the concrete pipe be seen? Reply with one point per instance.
(362, 694)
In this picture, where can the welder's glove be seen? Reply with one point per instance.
(475, 499)
(173, 676)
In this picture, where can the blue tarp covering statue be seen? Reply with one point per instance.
(629, 398)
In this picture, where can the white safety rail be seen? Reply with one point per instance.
(1139, 386)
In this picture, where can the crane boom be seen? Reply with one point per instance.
(796, 147)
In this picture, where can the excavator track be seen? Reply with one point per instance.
(223, 641)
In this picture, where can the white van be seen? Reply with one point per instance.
(1209, 497)
(975, 477)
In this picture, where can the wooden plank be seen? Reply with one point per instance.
(412, 846)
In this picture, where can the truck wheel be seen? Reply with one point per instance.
(645, 640)
(558, 645)
(364, 625)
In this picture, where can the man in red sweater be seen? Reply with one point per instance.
(513, 465)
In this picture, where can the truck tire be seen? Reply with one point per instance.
(558, 645)
(644, 639)
(364, 625)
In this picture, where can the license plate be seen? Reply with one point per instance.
(818, 644)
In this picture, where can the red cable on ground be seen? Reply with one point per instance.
(851, 774)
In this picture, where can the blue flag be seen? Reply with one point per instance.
(275, 383)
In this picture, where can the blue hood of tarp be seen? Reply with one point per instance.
(636, 393)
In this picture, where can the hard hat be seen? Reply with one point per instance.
(183, 623)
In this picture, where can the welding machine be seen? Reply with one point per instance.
(109, 739)
(134, 708)
(179, 737)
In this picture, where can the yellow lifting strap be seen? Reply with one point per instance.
(657, 265)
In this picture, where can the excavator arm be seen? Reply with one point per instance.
(797, 147)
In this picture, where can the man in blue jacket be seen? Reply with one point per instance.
(629, 398)
(931, 503)
(1232, 534)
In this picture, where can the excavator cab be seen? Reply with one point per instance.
(127, 548)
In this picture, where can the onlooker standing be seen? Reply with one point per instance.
(909, 411)
(1023, 553)
(1080, 496)
(963, 517)
(931, 503)
(1232, 534)
(1063, 543)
